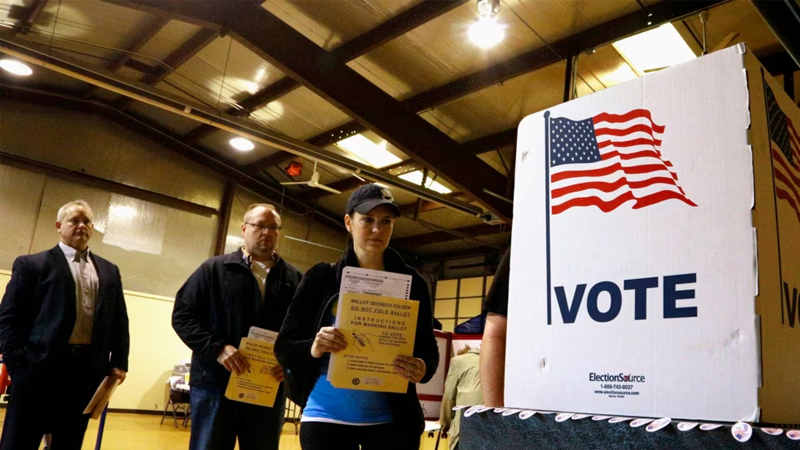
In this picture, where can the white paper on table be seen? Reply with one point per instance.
(262, 334)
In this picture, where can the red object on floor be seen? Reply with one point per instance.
(5, 381)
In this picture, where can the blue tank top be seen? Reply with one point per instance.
(344, 405)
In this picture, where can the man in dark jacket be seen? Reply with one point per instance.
(214, 309)
(63, 327)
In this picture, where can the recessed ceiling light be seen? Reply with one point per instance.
(486, 32)
(416, 178)
(655, 49)
(242, 144)
(15, 67)
(365, 150)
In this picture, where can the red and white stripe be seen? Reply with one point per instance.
(632, 168)
(787, 175)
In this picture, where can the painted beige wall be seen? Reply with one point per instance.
(155, 348)
(96, 146)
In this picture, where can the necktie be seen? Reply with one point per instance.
(83, 280)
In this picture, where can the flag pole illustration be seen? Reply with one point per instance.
(784, 147)
(605, 162)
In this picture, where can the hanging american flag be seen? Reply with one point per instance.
(608, 160)
(785, 148)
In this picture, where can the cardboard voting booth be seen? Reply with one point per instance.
(654, 267)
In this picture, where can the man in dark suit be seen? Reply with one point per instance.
(63, 327)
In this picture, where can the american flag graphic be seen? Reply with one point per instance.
(784, 145)
(608, 160)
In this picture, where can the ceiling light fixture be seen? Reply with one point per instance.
(654, 49)
(362, 148)
(242, 144)
(15, 67)
(416, 178)
(486, 32)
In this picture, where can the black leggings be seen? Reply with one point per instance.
(387, 436)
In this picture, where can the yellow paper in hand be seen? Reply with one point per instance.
(258, 386)
(377, 329)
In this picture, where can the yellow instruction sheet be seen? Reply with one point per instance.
(377, 329)
(258, 386)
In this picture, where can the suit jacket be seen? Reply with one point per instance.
(38, 313)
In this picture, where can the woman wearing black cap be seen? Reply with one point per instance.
(346, 418)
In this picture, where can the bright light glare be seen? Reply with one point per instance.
(242, 144)
(655, 49)
(15, 67)
(122, 212)
(416, 178)
(486, 32)
(373, 154)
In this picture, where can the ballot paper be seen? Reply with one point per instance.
(101, 397)
(377, 329)
(262, 334)
(256, 386)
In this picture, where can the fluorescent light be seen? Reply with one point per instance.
(416, 178)
(15, 67)
(655, 49)
(242, 144)
(486, 32)
(364, 149)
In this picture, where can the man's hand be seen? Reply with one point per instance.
(328, 340)
(117, 374)
(231, 359)
(277, 372)
(412, 369)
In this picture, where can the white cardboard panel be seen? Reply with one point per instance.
(704, 366)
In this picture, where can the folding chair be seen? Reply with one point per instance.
(179, 400)
(293, 413)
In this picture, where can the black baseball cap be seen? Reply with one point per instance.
(369, 196)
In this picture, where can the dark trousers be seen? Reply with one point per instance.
(387, 436)
(49, 397)
(217, 421)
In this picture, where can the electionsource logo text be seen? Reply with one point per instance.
(618, 377)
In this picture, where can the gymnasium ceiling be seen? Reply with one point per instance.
(304, 74)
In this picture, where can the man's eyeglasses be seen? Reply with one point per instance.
(260, 228)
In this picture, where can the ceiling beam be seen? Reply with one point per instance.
(435, 237)
(335, 135)
(33, 13)
(779, 63)
(491, 142)
(149, 31)
(613, 30)
(409, 209)
(398, 25)
(216, 163)
(783, 18)
(175, 59)
(247, 106)
(297, 56)
(419, 14)
(270, 160)
(165, 138)
(139, 66)
(539, 58)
